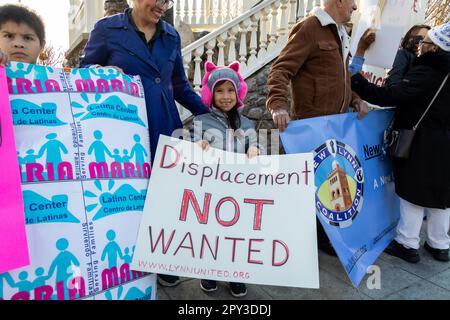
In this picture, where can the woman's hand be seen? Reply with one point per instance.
(203, 144)
(4, 59)
(252, 152)
(365, 42)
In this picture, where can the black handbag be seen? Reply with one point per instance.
(398, 142)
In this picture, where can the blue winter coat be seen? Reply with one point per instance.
(114, 42)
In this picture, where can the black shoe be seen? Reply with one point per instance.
(438, 254)
(168, 281)
(238, 289)
(327, 248)
(208, 285)
(398, 250)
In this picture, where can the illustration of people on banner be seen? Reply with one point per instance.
(81, 174)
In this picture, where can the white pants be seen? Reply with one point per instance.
(411, 218)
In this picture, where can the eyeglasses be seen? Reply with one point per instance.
(166, 4)
(416, 39)
(425, 42)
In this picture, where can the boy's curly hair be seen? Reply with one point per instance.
(21, 14)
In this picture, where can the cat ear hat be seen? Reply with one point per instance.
(214, 74)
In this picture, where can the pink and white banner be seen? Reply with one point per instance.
(81, 156)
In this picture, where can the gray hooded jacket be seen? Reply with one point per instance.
(213, 127)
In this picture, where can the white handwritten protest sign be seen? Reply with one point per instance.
(418, 11)
(242, 221)
(389, 19)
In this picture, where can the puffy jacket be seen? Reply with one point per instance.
(424, 178)
(213, 127)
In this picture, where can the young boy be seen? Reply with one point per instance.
(22, 34)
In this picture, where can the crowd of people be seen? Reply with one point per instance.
(315, 61)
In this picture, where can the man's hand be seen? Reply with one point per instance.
(4, 60)
(365, 42)
(281, 119)
(362, 108)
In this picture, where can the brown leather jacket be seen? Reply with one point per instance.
(313, 63)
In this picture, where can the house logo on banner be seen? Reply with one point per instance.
(339, 179)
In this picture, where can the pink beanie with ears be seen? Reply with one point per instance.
(214, 74)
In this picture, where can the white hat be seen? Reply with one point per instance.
(440, 36)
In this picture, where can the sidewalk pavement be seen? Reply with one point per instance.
(427, 280)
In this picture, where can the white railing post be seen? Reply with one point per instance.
(243, 44)
(237, 9)
(211, 12)
(282, 31)
(232, 44)
(254, 39)
(274, 26)
(187, 58)
(186, 12)
(194, 12)
(293, 13)
(219, 19)
(210, 45)
(301, 10)
(202, 19)
(229, 15)
(309, 6)
(197, 71)
(178, 13)
(263, 36)
(221, 45)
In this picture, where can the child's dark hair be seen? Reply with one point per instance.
(233, 118)
(234, 121)
(21, 14)
(411, 40)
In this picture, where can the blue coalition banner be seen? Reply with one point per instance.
(355, 195)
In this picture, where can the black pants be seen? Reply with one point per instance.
(322, 238)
